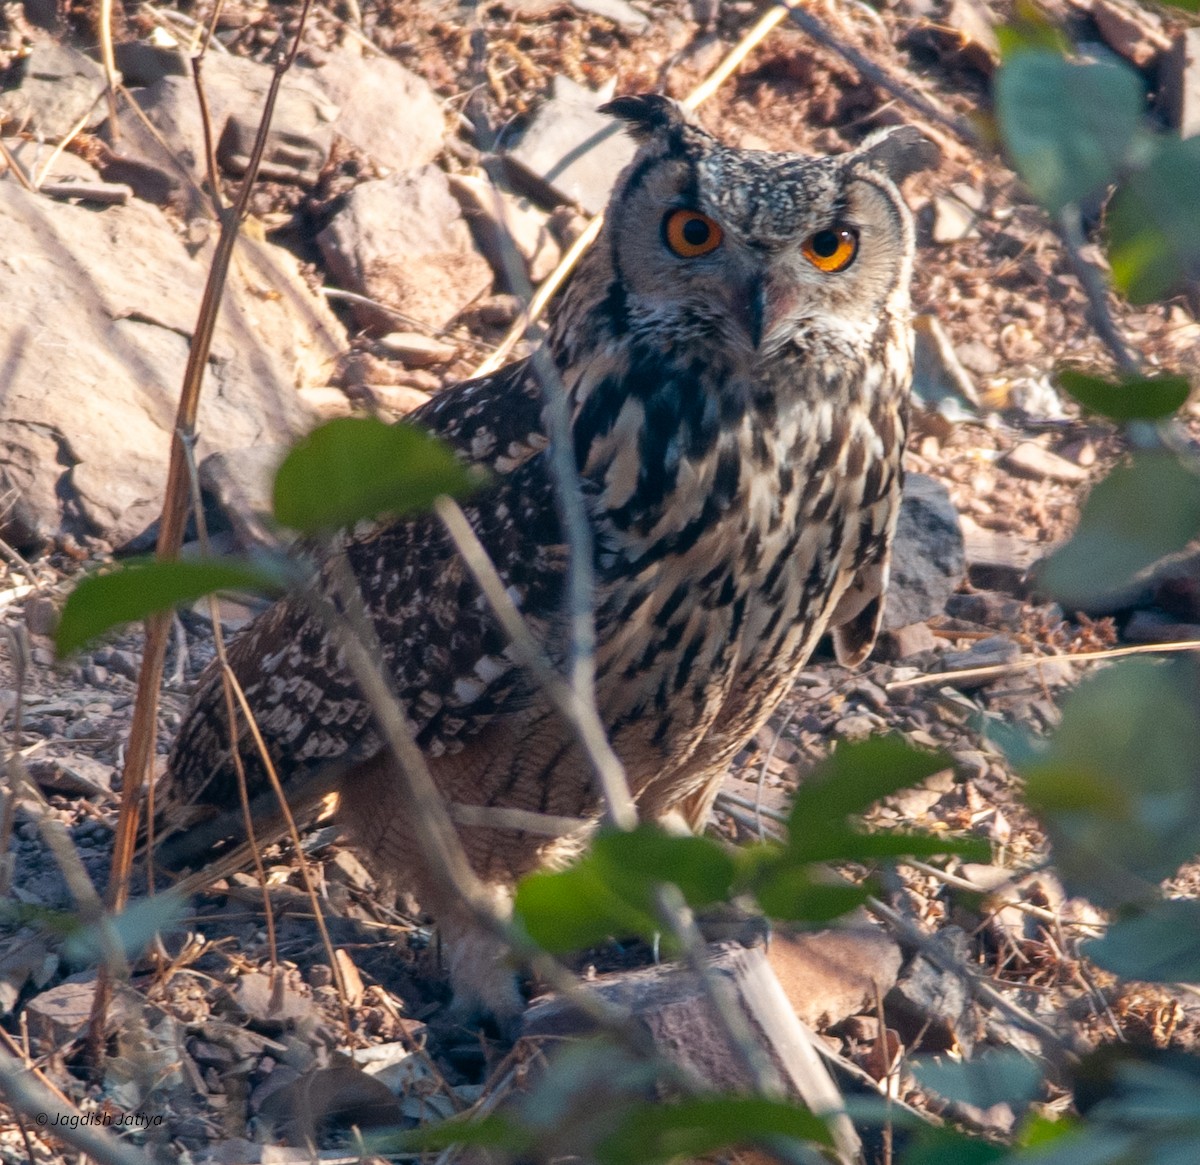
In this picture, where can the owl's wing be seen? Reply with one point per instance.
(856, 619)
(441, 647)
(494, 421)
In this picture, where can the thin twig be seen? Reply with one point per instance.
(675, 914)
(14, 765)
(944, 960)
(880, 78)
(71, 134)
(111, 77)
(228, 681)
(16, 168)
(1000, 669)
(139, 755)
(184, 172)
(15, 560)
(520, 820)
(210, 148)
(1038, 912)
(232, 683)
(414, 323)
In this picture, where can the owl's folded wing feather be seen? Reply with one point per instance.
(856, 619)
(442, 649)
(493, 421)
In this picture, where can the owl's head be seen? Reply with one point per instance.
(748, 247)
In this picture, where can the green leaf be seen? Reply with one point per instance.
(138, 588)
(130, 932)
(852, 779)
(949, 1147)
(576, 908)
(1161, 945)
(1130, 399)
(495, 1131)
(1030, 29)
(1117, 787)
(1068, 127)
(997, 1077)
(609, 893)
(700, 1125)
(798, 892)
(1139, 513)
(357, 468)
(1153, 222)
(1038, 1130)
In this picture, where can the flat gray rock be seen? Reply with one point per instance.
(570, 152)
(301, 133)
(100, 306)
(50, 90)
(384, 109)
(403, 241)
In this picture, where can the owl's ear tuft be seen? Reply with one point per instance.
(899, 152)
(646, 114)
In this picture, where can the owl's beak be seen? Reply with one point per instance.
(750, 306)
(760, 307)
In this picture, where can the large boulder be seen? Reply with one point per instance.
(99, 311)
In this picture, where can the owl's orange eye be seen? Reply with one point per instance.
(691, 234)
(831, 250)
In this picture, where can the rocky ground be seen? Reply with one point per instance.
(371, 277)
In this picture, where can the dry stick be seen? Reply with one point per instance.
(1001, 669)
(16, 168)
(231, 682)
(231, 719)
(67, 139)
(945, 961)
(552, 282)
(1070, 230)
(18, 562)
(581, 666)
(140, 753)
(1038, 912)
(26, 1094)
(351, 631)
(210, 149)
(411, 321)
(184, 171)
(111, 77)
(14, 768)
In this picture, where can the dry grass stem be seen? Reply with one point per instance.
(139, 756)
(16, 168)
(1055, 1046)
(1001, 669)
(111, 77)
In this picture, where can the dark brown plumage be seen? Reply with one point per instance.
(736, 349)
